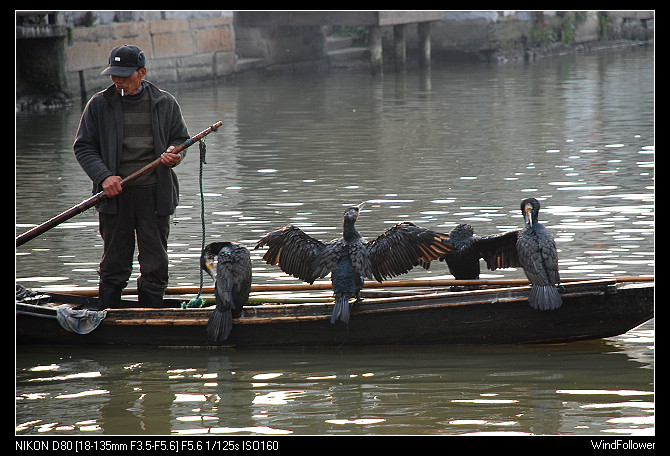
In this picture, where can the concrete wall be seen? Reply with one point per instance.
(521, 35)
(280, 44)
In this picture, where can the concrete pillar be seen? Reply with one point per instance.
(376, 59)
(399, 33)
(424, 44)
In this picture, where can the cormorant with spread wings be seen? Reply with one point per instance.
(350, 258)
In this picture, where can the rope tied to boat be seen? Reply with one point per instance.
(198, 301)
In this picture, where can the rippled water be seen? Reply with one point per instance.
(462, 143)
(559, 389)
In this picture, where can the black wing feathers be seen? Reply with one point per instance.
(232, 288)
(393, 253)
(293, 251)
(233, 274)
(402, 247)
(499, 250)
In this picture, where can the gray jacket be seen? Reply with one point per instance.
(97, 145)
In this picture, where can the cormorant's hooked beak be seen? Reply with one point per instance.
(528, 214)
(361, 206)
(210, 266)
(207, 265)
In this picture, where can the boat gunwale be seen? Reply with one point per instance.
(261, 314)
(591, 311)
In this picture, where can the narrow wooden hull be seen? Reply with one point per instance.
(590, 310)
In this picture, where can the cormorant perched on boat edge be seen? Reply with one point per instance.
(350, 258)
(532, 248)
(538, 256)
(232, 285)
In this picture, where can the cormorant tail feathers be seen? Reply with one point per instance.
(341, 309)
(544, 297)
(219, 325)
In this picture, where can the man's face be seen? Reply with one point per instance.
(130, 85)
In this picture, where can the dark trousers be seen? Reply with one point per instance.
(135, 218)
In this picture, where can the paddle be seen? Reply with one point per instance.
(95, 199)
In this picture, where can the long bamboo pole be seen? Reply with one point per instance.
(287, 288)
(95, 199)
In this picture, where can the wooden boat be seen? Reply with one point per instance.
(591, 309)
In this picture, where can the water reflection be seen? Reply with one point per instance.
(558, 389)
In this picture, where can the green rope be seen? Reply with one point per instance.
(198, 301)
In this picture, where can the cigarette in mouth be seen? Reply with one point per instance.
(121, 92)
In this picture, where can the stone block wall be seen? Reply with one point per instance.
(177, 50)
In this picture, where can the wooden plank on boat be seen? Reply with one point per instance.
(298, 287)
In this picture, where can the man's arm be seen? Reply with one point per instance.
(87, 150)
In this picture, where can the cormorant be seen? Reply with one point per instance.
(532, 248)
(536, 250)
(463, 261)
(232, 285)
(350, 258)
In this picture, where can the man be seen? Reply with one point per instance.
(123, 128)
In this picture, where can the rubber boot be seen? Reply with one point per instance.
(109, 297)
(149, 300)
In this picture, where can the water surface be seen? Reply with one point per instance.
(461, 143)
(531, 390)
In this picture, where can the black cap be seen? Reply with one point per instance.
(124, 61)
